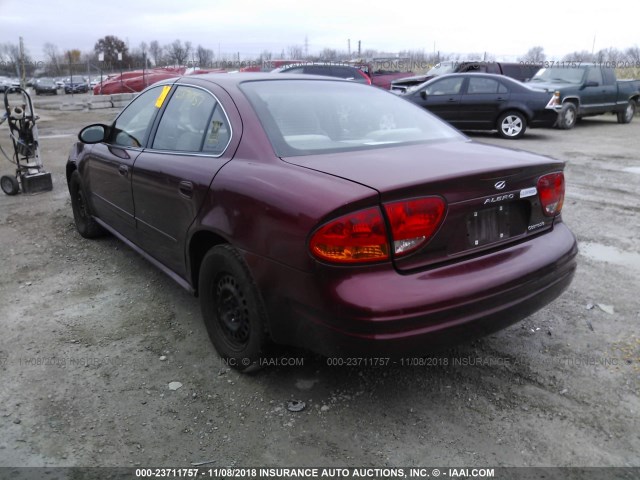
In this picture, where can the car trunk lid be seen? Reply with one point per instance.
(490, 192)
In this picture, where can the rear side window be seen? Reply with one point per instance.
(218, 133)
(479, 85)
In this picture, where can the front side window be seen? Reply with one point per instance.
(595, 75)
(185, 120)
(132, 126)
(446, 86)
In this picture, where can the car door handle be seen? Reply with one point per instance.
(123, 170)
(452, 100)
(185, 188)
(501, 99)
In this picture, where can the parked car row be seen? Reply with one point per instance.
(557, 96)
(519, 71)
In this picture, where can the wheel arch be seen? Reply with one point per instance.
(199, 244)
(574, 100)
(528, 115)
(70, 168)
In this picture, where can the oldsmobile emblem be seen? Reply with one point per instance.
(500, 185)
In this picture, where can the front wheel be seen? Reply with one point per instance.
(568, 116)
(85, 223)
(232, 308)
(512, 125)
(628, 113)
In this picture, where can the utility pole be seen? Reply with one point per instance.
(306, 47)
(349, 46)
(359, 50)
(22, 75)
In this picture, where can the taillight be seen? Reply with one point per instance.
(354, 238)
(362, 236)
(551, 191)
(413, 222)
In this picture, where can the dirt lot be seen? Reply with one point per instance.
(92, 335)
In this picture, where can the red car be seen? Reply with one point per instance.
(325, 214)
(138, 80)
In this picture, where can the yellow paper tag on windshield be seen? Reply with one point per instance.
(162, 96)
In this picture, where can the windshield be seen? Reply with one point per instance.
(306, 117)
(441, 69)
(559, 74)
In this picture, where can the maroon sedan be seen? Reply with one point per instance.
(325, 214)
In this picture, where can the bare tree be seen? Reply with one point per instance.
(155, 51)
(177, 53)
(329, 55)
(53, 58)
(633, 55)
(610, 54)
(534, 55)
(10, 55)
(265, 56)
(295, 52)
(204, 57)
(582, 56)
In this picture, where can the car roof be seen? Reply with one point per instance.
(495, 76)
(234, 79)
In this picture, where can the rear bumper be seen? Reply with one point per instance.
(376, 311)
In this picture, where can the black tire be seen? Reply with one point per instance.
(232, 309)
(9, 184)
(85, 223)
(511, 125)
(628, 113)
(568, 116)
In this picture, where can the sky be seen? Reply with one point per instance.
(505, 30)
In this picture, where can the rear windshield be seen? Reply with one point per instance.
(306, 117)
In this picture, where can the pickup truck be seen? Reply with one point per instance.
(520, 71)
(384, 71)
(587, 89)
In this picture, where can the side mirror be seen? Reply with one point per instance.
(93, 133)
(423, 94)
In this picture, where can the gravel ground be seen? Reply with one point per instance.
(92, 336)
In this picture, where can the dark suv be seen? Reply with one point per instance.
(348, 72)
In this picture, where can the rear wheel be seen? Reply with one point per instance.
(85, 224)
(9, 185)
(512, 125)
(568, 116)
(232, 308)
(627, 114)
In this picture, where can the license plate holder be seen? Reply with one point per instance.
(489, 225)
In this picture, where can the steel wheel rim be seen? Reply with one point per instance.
(628, 112)
(511, 125)
(569, 117)
(232, 311)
